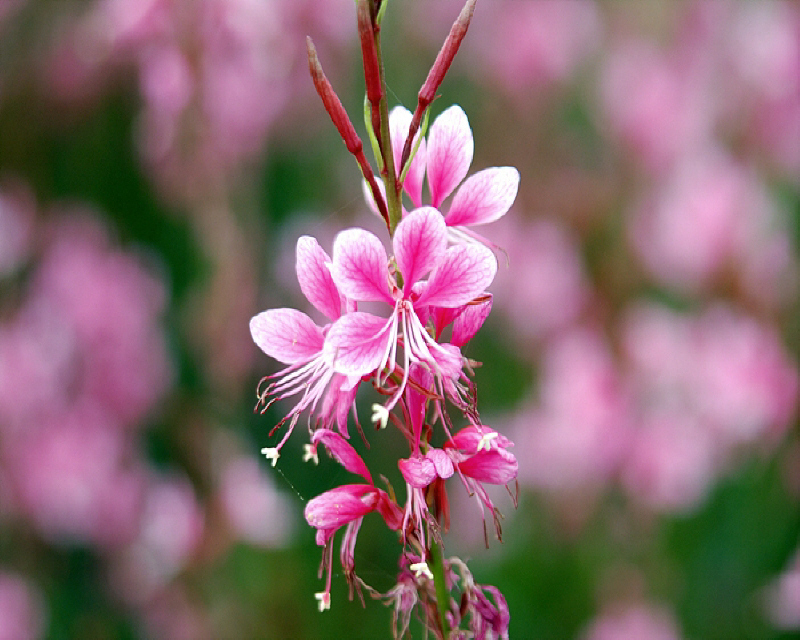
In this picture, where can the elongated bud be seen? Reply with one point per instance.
(343, 124)
(331, 101)
(447, 53)
(437, 73)
(372, 72)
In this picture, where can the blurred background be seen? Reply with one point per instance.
(159, 159)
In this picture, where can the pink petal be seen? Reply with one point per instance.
(468, 439)
(419, 472)
(359, 342)
(460, 277)
(315, 278)
(399, 123)
(342, 451)
(420, 241)
(360, 266)
(340, 505)
(392, 514)
(338, 400)
(484, 197)
(470, 321)
(495, 466)
(449, 360)
(450, 148)
(442, 463)
(442, 317)
(369, 199)
(287, 335)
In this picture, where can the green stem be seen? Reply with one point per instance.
(436, 566)
(389, 175)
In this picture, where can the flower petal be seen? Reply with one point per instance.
(442, 463)
(449, 154)
(342, 451)
(484, 197)
(467, 324)
(358, 342)
(337, 507)
(399, 123)
(496, 466)
(460, 277)
(288, 335)
(419, 472)
(360, 266)
(315, 278)
(420, 241)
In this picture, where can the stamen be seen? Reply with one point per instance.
(272, 454)
(380, 415)
(310, 453)
(324, 598)
(486, 440)
(420, 569)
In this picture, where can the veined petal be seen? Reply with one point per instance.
(450, 149)
(337, 507)
(315, 278)
(360, 266)
(288, 335)
(358, 342)
(461, 276)
(399, 123)
(467, 324)
(342, 451)
(419, 472)
(442, 463)
(484, 197)
(420, 241)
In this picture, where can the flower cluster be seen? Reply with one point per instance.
(398, 323)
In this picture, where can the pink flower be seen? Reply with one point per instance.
(362, 343)
(346, 506)
(291, 337)
(445, 159)
(477, 453)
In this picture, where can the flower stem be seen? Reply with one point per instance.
(436, 566)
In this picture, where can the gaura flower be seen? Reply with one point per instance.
(291, 337)
(345, 506)
(363, 343)
(477, 453)
(445, 159)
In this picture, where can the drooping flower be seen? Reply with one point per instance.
(445, 159)
(363, 343)
(293, 338)
(345, 506)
